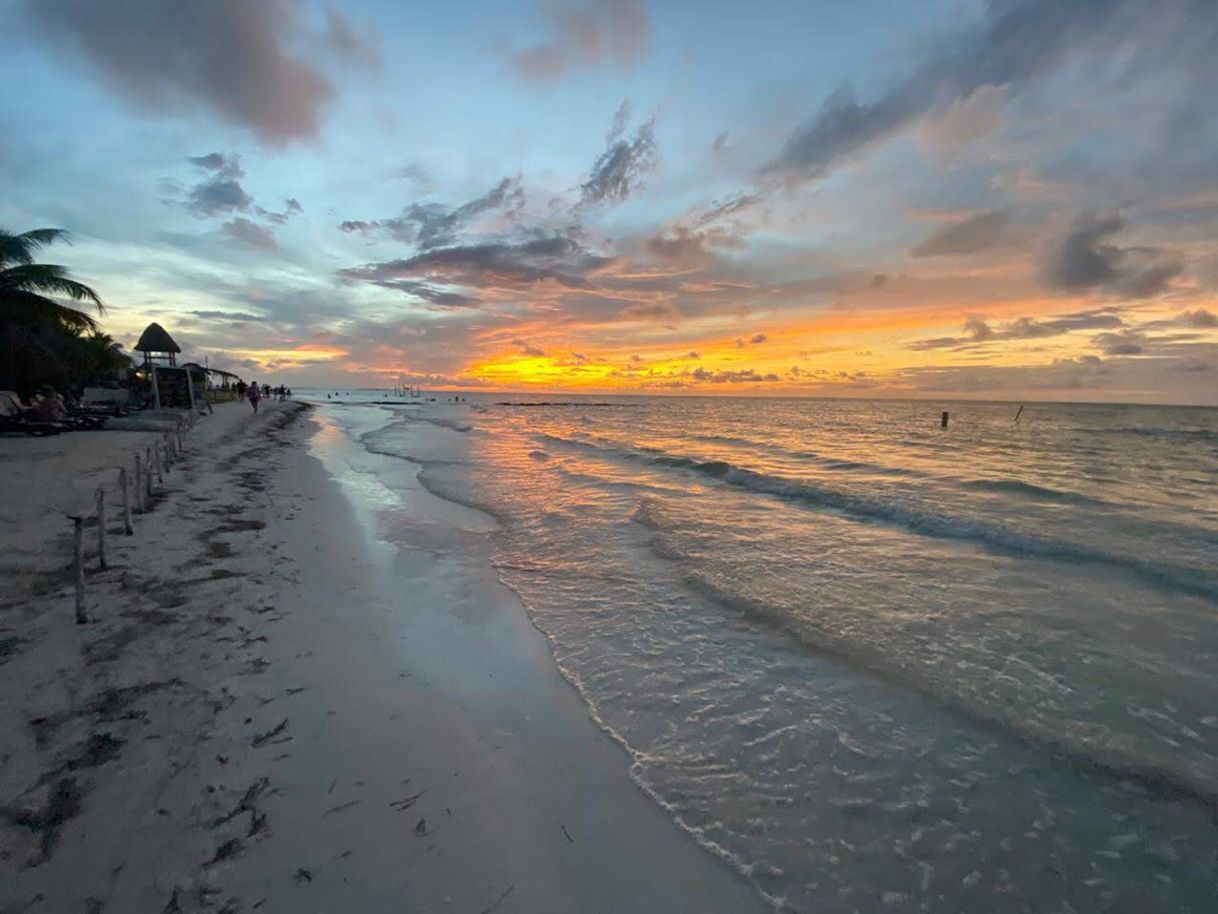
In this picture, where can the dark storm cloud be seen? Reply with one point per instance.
(246, 62)
(220, 192)
(620, 170)
(585, 34)
(979, 232)
(1015, 41)
(1083, 260)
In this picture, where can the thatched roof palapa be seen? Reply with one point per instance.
(156, 339)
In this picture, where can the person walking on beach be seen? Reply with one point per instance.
(255, 395)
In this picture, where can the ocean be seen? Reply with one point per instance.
(868, 661)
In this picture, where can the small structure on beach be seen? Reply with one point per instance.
(157, 346)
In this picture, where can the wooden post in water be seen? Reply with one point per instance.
(101, 528)
(78, 567)
(128, 527)
(943, 422)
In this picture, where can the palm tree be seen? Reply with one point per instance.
(36, 327)
(24, 285)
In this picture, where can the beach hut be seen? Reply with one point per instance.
(157, 346)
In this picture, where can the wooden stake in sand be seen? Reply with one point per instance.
(101, 528)
(78, 567)
(128, 528)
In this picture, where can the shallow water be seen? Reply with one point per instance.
(868, 661)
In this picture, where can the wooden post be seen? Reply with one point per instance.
(128, 527)
(147, 475)
(139, 485)
(179, 445)
(101, 528)
(190, 391)
(943, 423)
(156, 458)
(78, 568)
(156, 389)
(165, 451)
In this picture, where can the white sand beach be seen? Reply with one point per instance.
(272, 710)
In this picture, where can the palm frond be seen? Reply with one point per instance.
(21, 248)
(24, 307)
(51, 279)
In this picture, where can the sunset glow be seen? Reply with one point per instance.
(700, 215)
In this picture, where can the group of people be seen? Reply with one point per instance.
(254, 393)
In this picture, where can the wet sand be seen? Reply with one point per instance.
(274, 710)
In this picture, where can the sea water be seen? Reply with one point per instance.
(869, 661)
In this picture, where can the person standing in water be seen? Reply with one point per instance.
(255, 395)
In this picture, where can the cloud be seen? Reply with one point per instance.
(661, 310)
(291, 207)
(1127, 342)
(758, 338)
(1014, 42)
(746, 376)
(440, 299)
(586, 33)
(415, 173)
(432, 225)
(977, 330)
(528, 348)
(250, 234)
(1081, 261)
(246, 63)
(342, 39)
(220, 192)
(236, 317)
(1199, 319)
(555, 258)
(436, 225)
(967, 236)
(619, 171)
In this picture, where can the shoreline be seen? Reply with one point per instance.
(276, 709)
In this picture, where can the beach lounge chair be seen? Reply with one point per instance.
(17, 418)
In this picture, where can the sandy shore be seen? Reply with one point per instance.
(273, 710)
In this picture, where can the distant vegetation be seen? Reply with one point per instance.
(43, 340)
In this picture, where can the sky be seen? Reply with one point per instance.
(1013, 199)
